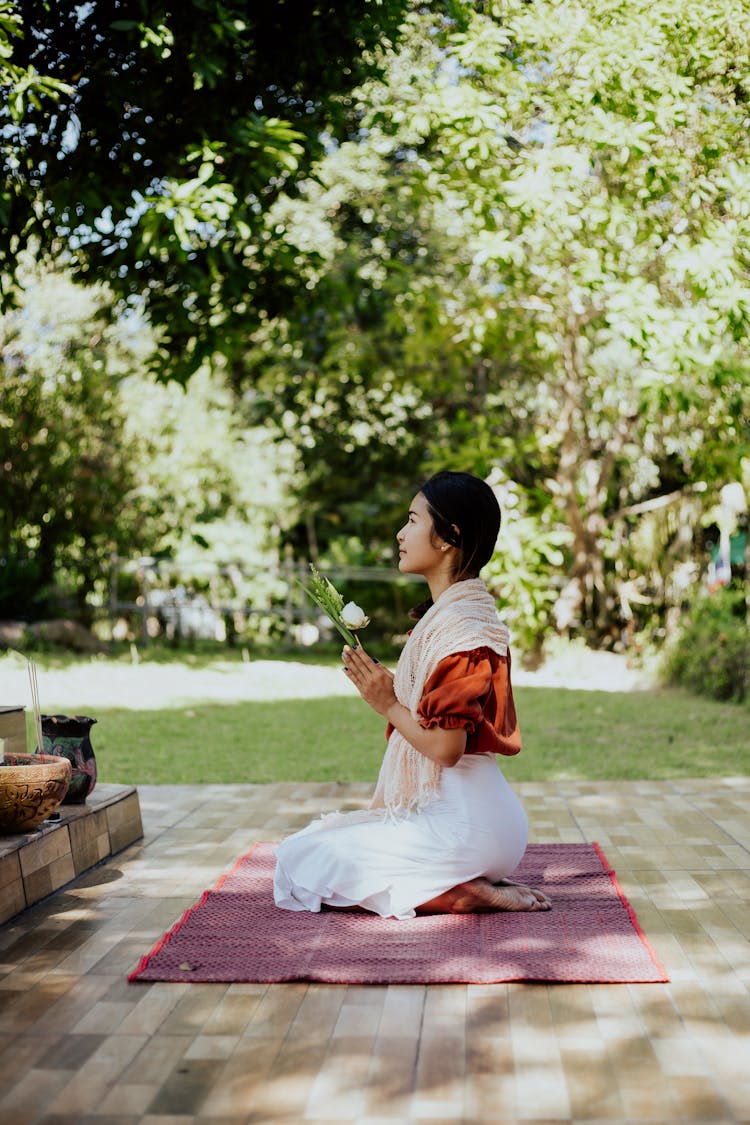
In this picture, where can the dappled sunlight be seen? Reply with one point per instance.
(471, 1052)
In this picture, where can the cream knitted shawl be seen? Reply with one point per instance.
(463, 618)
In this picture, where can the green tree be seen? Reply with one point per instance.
(205, 486)
(621, 242)
(574, 307)
(97, 456)
(337, 373)
(172, 131)
(23, 89)
(64, 463)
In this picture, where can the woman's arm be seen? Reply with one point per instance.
(375, 684)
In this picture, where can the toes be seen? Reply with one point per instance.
(540, 897)
(540, 900)
(531, 900)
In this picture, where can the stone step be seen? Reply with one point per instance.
(35, 864)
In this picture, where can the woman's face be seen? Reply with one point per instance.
(420, 550)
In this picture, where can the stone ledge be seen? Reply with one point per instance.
(37, 863)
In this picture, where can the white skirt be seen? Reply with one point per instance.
(476, 826)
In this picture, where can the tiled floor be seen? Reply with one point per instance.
(79, 1044)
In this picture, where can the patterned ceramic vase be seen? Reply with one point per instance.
(68, 736)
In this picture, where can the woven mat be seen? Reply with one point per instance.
(235, 933)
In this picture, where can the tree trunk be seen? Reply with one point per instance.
(582, 482)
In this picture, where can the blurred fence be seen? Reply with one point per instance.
(207, 601)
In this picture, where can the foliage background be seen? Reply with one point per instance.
(273, 264)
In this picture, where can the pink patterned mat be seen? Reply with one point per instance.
(235, 933)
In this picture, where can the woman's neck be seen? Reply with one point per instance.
(439, 584)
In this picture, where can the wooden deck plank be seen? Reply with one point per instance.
(81, 1044)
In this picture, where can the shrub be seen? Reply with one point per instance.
(712, 653)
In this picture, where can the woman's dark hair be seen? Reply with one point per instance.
(466, 514)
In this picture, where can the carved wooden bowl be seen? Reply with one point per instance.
(30, 789)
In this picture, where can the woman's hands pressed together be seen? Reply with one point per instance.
(373, 682)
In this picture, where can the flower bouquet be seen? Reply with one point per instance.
(345, 616)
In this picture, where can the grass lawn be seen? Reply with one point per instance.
(567, 735)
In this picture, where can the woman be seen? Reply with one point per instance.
(445, 830)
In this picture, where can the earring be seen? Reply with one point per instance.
(444, 547)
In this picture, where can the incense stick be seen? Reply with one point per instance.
(35, 705)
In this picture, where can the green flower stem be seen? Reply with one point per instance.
(326, 597)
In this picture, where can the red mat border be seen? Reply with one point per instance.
(631, 913)
(148, 957)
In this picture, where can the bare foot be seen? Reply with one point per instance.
(540, 896)
(479, 896)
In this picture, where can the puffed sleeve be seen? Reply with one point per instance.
(456, 692)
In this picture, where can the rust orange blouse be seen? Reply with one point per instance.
(473, 690)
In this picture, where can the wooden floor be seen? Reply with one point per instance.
(79, 1044)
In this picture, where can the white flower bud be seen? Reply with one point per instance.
(353, 616)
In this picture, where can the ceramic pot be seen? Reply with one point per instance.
(68, 736)
(30, 790)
